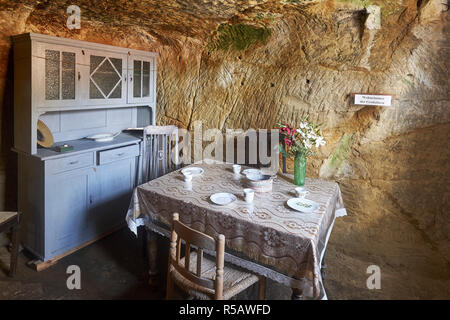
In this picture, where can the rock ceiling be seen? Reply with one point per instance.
(175, 19)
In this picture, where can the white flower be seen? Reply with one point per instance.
(320, 142)
(310, 135)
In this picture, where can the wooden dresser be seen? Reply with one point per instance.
(77, 89)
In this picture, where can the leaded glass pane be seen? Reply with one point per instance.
(145, 79)
(106, 74)
(68, 75)
(95, 62)
(137, 78)
(52, 74)
(117, 63)
(94, 93)
(117, 93)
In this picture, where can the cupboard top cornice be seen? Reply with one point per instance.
(79, 43)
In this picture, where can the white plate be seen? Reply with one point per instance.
(302, 204)
(251, 171)
(223, 198)
(103, 137)
(195, 171)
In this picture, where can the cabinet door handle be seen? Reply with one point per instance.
(90, 199)
(79, 76)
(120, 154)
(73, 162)
(131, 79)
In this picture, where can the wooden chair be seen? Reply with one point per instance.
(199, 276)
(9, 221)
(159, 151)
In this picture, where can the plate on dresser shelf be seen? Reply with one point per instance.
(194, 171)
(103, 137)
(222, 198)
(302, 205)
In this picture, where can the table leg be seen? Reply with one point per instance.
(14, 251)
(323, 267)
(323, 270)
(152, 254)
(297, 294)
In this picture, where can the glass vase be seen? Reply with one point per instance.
(299, 169)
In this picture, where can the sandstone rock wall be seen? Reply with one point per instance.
(391, 163)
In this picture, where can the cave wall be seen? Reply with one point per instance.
(391, 163)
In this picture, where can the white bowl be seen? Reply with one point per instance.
(260, 182)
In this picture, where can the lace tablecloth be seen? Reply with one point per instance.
(267, 231)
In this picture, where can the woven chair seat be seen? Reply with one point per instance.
(235, 279)
(6, 215)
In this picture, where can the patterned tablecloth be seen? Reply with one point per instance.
(267, 231)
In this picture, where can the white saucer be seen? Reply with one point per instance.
(251, 171)
(223, 198)
(195, 171)
(302, 205)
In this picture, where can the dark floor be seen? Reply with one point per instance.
(112, 268)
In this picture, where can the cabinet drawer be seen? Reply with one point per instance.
(69, 163)
(118, 154)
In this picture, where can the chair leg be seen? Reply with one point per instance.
(262, 288)
(14, 251)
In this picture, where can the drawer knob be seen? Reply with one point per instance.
(120, 154)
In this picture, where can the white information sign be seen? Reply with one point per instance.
(373, 100)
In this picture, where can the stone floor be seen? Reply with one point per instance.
(114, 268)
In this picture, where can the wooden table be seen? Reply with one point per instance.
(266, 237)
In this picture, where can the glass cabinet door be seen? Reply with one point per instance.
(58, 76)
(141, 79)
(106, 79)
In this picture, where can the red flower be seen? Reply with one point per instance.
(288, 141)
(289, 133)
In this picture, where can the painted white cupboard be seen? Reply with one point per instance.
(68, 201)
(77, 89)
(55, 74)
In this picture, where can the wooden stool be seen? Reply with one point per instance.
(10, 221)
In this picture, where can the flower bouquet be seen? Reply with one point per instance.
(298, 143)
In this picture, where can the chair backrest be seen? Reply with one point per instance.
(159, 151)
(201, 241)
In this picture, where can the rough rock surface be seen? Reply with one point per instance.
(391, 163)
